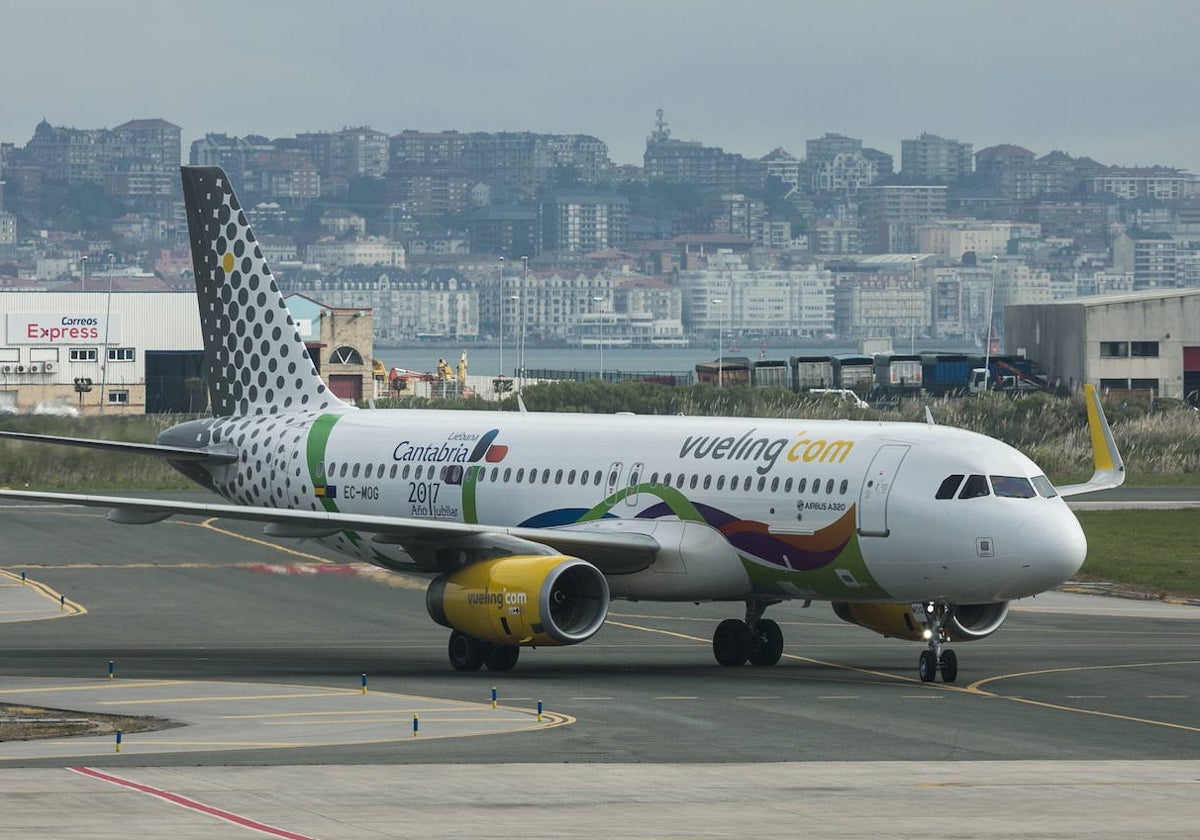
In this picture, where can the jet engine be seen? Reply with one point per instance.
(968, 623)
(522, 600)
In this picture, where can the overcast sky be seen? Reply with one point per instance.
(1113, 79)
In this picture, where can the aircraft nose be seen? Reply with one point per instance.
(1052, 547)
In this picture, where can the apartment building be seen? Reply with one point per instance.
(933, 158)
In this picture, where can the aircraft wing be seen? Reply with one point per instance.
(171, 453)
(1109, 467)
(611, 550)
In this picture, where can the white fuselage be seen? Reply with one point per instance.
(836, 510)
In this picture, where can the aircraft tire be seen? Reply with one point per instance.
(768, 643)
(732, 642)
(927, 666)
(466, 652)
(501, 657)
(949, 666)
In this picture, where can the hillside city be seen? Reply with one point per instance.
(462, 236)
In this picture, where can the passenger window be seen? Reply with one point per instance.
(692, 483)
(653, 479)
(748, 485)
(707, 481)
(596, 478)
(495, 474)
(762, 483)
(845, 486)
(545, 476)
(507, 474)
(720, 482)
(558, 477)
(583, 477)
(345, 467)
(392, 472)
(975, 486)
(571, 477)
(733, 483)
(404, 472)
(787, 485)
(829, 487)
(667, 480)
(356, 470)
(520, 475)
(1044, 487)
(1012, 487)
(332, 471)
(612, 478)
(948, 487)
(775, 484)
(802, 485)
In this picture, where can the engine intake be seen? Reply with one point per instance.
(522, 600)
(969, 622)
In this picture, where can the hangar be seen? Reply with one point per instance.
(1137, 341)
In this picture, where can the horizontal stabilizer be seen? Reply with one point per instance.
(170, 453)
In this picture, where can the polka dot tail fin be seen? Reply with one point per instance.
(255, 359)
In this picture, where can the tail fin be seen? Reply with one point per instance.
(254, 357)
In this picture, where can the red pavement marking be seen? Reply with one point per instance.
(191, 804)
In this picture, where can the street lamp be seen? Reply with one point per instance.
(720, 340)
(112, 270)
(83, 261)
(987, 331)
(500, 357)
(524, 306)
(912, 318)
(598, 299)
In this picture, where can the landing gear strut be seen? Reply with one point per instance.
(936, 658)
(469, 654)
(756, 640)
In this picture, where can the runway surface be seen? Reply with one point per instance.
(1068, 677)
(1079, 718)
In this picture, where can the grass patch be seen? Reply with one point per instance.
(1150, 549)
(29, 723)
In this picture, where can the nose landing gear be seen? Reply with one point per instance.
(936, 658)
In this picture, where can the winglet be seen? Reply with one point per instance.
(1109, 468)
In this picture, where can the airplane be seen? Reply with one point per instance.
(531, 523)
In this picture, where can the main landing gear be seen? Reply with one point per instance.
(937, 658)
(469, 654)
(756, 640)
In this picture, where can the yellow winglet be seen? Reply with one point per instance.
(1109, 468)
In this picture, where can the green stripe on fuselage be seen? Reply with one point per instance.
(318, 439)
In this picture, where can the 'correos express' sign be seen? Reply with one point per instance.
(62, 328)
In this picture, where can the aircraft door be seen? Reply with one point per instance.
(613, 479)
(873, 498)
(635, 476)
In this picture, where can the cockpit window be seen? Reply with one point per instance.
(975, 486)
(1044, 487)
(949, 487)
(1012, 487)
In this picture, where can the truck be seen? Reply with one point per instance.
(853, 371)
(771, 374)
(897, 372)
(811, 372)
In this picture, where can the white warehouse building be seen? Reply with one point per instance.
(128, 344)
(1140, 341)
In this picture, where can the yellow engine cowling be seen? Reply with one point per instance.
(969, 622)
(522, 600)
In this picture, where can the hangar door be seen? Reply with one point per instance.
(1191, 375)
